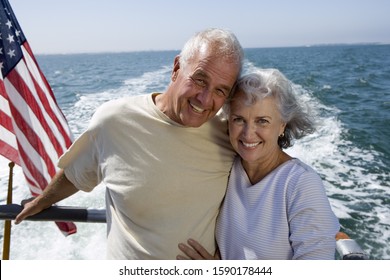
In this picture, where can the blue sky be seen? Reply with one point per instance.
(73, 26)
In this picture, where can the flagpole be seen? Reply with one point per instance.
(7, 223)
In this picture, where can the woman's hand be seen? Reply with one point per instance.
(195, 251)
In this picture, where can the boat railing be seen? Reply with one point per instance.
(56, 213)
(347, 248)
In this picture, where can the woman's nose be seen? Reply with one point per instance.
(249, 130)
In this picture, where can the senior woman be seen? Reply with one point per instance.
(276, 206)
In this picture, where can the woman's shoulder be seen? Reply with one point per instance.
(302, 166)
(299, 171)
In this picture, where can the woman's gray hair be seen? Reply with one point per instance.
(223, 43)
(271, 82)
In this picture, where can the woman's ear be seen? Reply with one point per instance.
(282, 128)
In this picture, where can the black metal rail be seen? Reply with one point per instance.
(56, 213)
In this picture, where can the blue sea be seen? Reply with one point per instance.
(348, 87)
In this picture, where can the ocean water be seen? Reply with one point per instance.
(347, 86)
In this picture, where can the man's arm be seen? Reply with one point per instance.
(58, 189)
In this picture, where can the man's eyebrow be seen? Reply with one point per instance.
(201, 74)
(204, 75)
(227, 88)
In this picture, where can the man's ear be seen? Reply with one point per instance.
(176, 67)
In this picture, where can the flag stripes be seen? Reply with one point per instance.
(35, 124)
(34, 131)
(8, 143)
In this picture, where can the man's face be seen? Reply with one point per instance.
(201, 88)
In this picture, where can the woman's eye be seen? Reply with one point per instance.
(262, 121)
(238, 120)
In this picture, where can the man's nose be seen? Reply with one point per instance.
(205, 97)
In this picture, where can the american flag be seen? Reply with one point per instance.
(33, 131)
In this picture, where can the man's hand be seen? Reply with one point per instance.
(59, 188)
(30, 208)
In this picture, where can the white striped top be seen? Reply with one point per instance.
(287, 215)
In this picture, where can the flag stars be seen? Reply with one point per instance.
(10, 38)
(11, 53)
(9, 24)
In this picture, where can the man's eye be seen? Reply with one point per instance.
(221, 92)
(199, 82)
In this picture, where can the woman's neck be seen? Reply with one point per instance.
(258, 170)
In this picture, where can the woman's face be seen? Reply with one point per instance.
(254, 129)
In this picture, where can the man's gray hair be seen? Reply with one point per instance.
(223, 43)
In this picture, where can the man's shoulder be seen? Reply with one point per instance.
(124, 102)
(116, 109)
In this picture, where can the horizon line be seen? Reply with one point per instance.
(178, 50)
